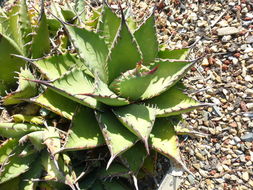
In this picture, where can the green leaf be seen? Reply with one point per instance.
(124, 53)
(72, 85)
(134, 157)
(79, 8)
(117, 137)
(41, 42)
(114, 185)
(109, 25)
(52, 172)
(91, 49)
(35, 172)
(25, 26)
(180, 54)
(11, 184)
(52, 139)
(149, 165)
(163, 139)
(37, 120)
(16, 130)
(146, 38)
(57, 65)
(53, 25)
(28, 150)
(84, 132)
(45, 185)
(36, 139)
(131, 23)
(145, 85)
(12, 27)
(49, 137)
(97, 186)
(115, 170)
(6, 148)
(8, 63)
(105, 95)
(26, 88)
(173, 102)
(68, 15)
(4, 22)
(56, 172)
(92, 22)
(16, 165)
(139, 119)
(55, 103)
(89, 180)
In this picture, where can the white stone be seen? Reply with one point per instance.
(227, 31)
(248, 78)
(226, 38)
(223, 23)
(249, 105)
(245, 176)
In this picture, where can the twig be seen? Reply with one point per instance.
(217, 20)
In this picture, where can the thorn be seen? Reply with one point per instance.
(31, 34)
(109, 162)
(152, 70)
(37, 81)
(135, 182)
(56, 163)
(28, 43)
(86, 94)
(24, 58)
(58, 151)
(146, 145)
(122, 12)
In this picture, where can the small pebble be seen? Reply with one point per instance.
(226, 38)
(247, 137)
(245, 176)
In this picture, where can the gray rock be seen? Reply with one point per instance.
(237, 139)
(247, 137)
(249, 39)
(170, 182)
(227, 31)
(217, 146)
(191, 179)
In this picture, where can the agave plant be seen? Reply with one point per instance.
(117, 86)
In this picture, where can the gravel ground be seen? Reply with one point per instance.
(222, 31)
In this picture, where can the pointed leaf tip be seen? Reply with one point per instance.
(118, 139)
(118, 61)
(139, 119)
(146, 34)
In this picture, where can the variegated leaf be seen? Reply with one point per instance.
(135, 85)
(84, 132)
(139, 119)
(117, 137)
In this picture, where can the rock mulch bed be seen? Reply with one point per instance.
(222, 32)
